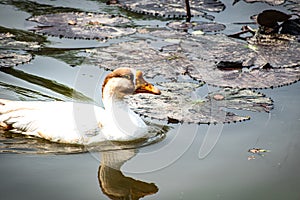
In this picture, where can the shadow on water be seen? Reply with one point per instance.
(114, 183)
(35, 8)
(24, 93)
(46, 83)
(71, 56)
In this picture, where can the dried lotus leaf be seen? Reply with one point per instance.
(11, 59)
(12, 51)
(178, 102)
(270, 2)
(196, 26)
(83, 25)
(222, 61)
(172, 8)
(140, 55)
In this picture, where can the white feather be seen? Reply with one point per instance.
(78, 123)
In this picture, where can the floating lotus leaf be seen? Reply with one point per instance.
(9, 41)
(10, 34)
(270, 2)
(140, 55)
(172, 8)
(179, 103)
(196, 26)
(82, 25)
(10, 59)
(294, 6)
(12, 51)
(222, 61)
(167, 35)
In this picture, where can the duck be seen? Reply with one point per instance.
(83, 123)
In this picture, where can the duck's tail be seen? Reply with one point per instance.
(3, 110)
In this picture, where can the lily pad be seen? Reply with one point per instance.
(12, 52)
(83, 25)
(11, 59)
(168, 35)
(270, 2)
(294, 6)
(196, 26)
(22, 35)
(140, 55)
(179, 103)
(9, 41)
(222, 61)
(172, 8)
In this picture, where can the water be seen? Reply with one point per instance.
(190, 162)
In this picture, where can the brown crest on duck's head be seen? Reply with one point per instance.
(140, 85)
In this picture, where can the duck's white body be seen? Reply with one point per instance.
(69, 122)
(77, 123)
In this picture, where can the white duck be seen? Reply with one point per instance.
(80, 123)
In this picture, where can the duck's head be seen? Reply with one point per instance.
(125, 81)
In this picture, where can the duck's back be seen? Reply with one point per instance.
(65, 122)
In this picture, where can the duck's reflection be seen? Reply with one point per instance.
(112, 181)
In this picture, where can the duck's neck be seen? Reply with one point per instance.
(121, 115)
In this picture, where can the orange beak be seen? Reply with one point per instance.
(143, 86)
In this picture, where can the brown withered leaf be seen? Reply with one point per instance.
(83, 25)
(180, 102)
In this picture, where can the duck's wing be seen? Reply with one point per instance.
(65, 122)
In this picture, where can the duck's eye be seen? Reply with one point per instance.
(128, 76)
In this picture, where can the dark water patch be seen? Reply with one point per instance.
(35, 8)
(46, 83)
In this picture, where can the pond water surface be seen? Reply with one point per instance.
(189, 162)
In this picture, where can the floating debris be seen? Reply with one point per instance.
(83, 25)
(270, 18)
(274, 27)
(257, 151)
(179, 103)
